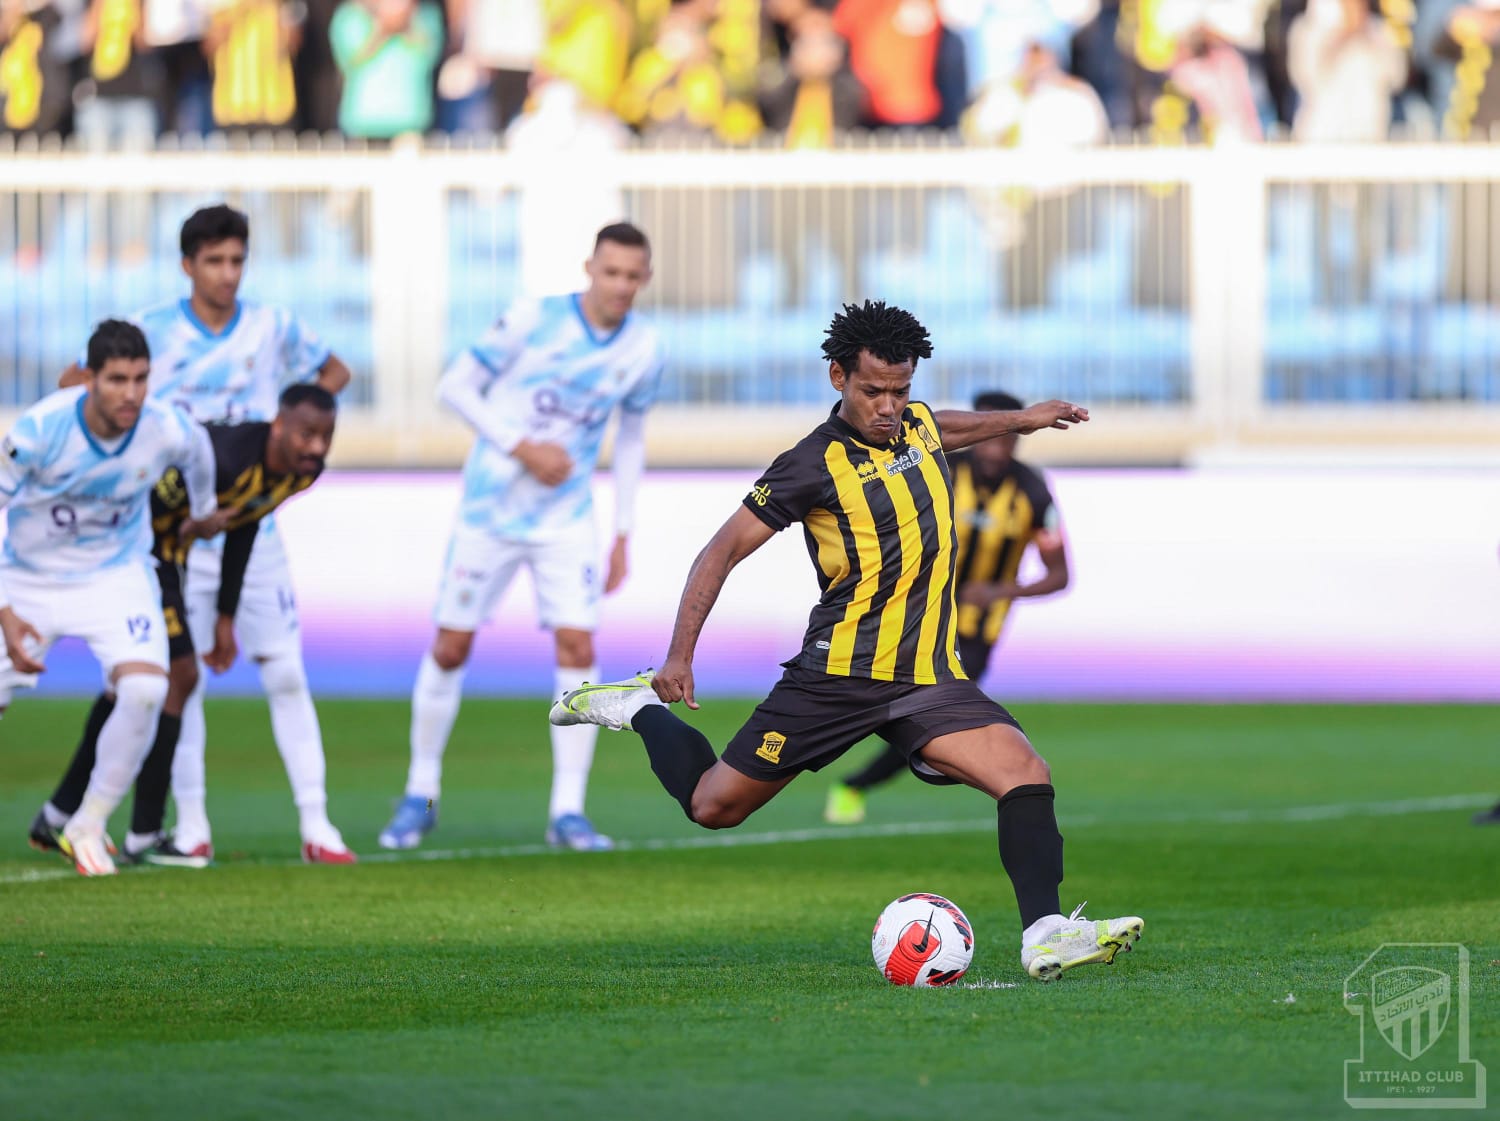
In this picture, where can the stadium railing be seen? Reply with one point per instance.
(1232, 303)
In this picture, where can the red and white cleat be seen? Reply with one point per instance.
(326, 854)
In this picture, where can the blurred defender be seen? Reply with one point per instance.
(539, 389)
(226, 361)
(259, 466)
(872, 490)
(1001, 507)
(76, 476)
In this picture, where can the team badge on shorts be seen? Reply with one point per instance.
(770, 747)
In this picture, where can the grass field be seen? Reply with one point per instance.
(1270, 849)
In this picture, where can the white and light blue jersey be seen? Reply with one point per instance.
(543, 373)
(229, 376)
(75, 505)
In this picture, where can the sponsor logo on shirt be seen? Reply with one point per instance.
(908, 459)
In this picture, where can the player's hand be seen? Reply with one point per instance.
(18, 632)
(674, 682)
(548, 464)
(1053, 414)
(211, 526)
(226, 648)
(619, 566)
(976, 593)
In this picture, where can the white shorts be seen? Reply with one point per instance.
(266, 624)
(117, 612)
(479, 567)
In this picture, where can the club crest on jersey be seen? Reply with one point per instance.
(770, 747)
(928, 439)
(908, 459)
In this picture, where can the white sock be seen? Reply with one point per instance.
(434, 707)
(189, 775)
(635, 704)
(572, 749)
(54, 816)
(315, 826)
(124, 742)
(294, 724)
(140, 842)
(1039, 930)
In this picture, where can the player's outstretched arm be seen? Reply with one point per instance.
(333, 375)
(962, 429)
(736, 539)
(73, 375)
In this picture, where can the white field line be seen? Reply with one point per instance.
(1272, 816)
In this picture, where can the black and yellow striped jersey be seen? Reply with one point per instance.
(996, 519)
(242, 482)
(879, 527)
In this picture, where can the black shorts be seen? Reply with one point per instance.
(174, 610)
(811, 718)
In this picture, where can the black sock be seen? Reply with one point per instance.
(69, 793)
(149, 809)
(679, 753)
(1031, 849)
(884, 767)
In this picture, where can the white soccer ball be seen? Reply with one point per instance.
(922, 940)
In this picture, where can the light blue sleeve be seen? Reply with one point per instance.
(18, 454)
(302, 351)
(499, 346)
(645, 392)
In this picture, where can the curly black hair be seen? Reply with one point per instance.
(887, 332)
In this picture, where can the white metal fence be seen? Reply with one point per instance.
(1209, 302)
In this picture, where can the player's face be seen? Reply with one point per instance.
(302, 437)
(994, 456)
(875, 393)
(117, 392)
(215, 271)
(616, 273)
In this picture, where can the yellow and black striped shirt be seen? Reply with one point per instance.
(879, 528)
(996, 519)
(241, 481)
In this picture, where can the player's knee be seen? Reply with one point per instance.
(140, 696)
(714, 813)
(575, 648)
(283, 675)
(451, 651)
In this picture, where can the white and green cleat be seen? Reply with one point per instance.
(610, 704)
(1079, 941)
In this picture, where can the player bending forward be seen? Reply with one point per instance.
(872, 490)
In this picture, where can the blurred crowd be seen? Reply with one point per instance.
(117, 73)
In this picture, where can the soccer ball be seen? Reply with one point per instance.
(922, 940)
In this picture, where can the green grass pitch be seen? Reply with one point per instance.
(1270, 850)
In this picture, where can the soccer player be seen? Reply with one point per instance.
(1001, 507)
(539, 389)
(75, 477)
(872, 488)
(259, 466)
(226, 360)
